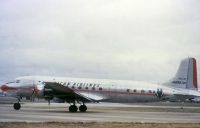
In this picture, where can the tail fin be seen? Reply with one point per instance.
(186, 76)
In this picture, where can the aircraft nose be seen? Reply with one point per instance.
(6, 87)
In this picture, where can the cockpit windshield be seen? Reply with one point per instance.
(17, 81)
(10, 82)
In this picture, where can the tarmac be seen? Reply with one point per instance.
(103, 112)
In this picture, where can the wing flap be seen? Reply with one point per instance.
(91, 96)
(63, 92)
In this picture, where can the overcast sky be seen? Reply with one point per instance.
(141, 40)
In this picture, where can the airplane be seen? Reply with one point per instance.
(183, 86)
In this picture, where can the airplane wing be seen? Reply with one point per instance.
(53, 89)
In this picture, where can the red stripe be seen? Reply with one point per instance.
(194, 72)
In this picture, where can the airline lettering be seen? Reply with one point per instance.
(178, 82)
(79, 84)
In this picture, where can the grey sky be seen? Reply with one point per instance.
(113, 39)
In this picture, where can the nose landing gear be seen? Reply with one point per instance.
(16, 106)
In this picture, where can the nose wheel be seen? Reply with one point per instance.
(16, 106)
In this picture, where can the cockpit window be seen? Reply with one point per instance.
(10, 82)
(17, 81)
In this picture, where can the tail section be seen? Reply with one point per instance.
(186, 76)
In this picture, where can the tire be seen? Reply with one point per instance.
(17, 106)
(83, 108)
(73, 108)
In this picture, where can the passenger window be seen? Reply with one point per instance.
(142, 91)
(86, 88)
(93, 88)
(134, 90)
(100, 89)
(128, 90)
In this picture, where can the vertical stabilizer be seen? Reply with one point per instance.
(186, 76)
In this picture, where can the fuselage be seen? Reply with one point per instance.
(121, 91)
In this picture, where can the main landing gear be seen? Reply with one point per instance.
(83, 108)
(74, 108)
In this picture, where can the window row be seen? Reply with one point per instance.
(87, 88)
(142, 91)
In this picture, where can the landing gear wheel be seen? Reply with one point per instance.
(83, 108)
(17, 106)
(73, 108)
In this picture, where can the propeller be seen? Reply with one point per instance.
(34, 93)
(37, 87)
(159, 93)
